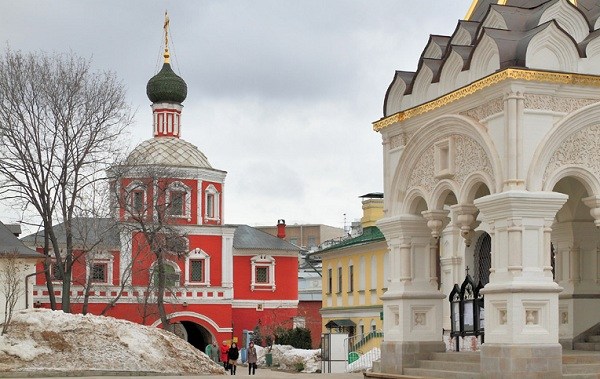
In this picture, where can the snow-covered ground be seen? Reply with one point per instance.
(45, 340)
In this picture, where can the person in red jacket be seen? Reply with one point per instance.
(224, 351)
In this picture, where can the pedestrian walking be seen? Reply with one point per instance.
(252, 358)
(233, 354)
(224, 351)
(214, 352)
(208, 350)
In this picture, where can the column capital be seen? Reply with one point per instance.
(465, 218)
(403, 226)
(593, 202)
(526, 204)
(436, 221)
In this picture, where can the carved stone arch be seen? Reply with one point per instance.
(485, 60)
(440, 193)
(416, 166)
(421, 85)
(574, 142)
(394, 98)
(568, 17)
(412, 203)
(592, 52)
(450, 71)
(493, 20)
(462, 37)
(472, 185)
(552, 49)
(582, 174)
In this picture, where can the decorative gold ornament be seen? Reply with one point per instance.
(509, 73)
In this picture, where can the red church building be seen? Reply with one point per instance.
(229, 277)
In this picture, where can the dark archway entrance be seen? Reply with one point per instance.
(197, 335)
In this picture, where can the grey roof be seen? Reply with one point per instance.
(87, 231)
(167, 151)
(247, 237)
(522, 19)
(10, 244)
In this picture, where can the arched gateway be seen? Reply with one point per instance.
(492, 158)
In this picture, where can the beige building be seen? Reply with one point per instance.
(307, 236)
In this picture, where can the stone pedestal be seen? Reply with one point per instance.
(521, 361)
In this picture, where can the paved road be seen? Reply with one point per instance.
(261, 373)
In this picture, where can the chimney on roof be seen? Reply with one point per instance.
(281, 228)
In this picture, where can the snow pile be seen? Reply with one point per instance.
(288, 358)
(365, 361)
(45, 340)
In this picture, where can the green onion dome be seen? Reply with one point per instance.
(166, 86)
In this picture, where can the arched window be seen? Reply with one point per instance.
(136, 201)
(197, 268)
(263, 273)
(172, 274)
(178, 199)
(483, 259)
(211, 201)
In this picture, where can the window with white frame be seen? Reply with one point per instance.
(99, 268)
(351, 277)
(263, 272)
(211, 203)
(339, 279)
(136, 198)
(197, 268)
(179, 200)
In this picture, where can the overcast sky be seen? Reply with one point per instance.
(281, 93)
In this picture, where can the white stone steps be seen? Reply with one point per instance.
(578, 368)
(467, 356)
(430, 373)
(450, 366)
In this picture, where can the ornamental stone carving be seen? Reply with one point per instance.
(469, 157)
(485, 110)
(423, 174)
(556, 104)
(581, 148)
(397, 141)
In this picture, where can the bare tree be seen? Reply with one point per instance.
(152, 222)
(60, 124)
(11, 274)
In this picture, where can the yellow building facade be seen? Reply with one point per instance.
(354, 273)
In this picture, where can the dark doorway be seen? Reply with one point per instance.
(483, 259)
(197, 335)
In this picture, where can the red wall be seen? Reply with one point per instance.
(286, 279)
(310, 311)
(268, 319)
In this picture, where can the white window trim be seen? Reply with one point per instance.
(180, 187)
(135, 185)
(101, 257)
(212, 190)
(263, 261)
(197, 254)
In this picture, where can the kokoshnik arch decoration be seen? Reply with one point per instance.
(497, 132)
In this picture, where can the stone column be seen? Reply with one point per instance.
(412, 305)
(521, 300)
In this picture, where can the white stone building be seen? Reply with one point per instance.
(492, 161)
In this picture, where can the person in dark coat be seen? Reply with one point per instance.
(233, 354)
(252, 358)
